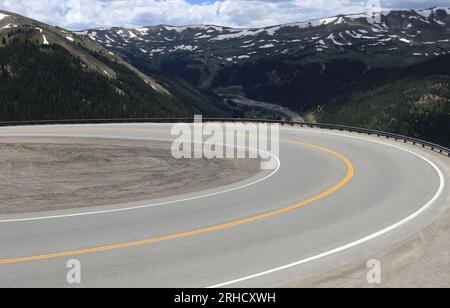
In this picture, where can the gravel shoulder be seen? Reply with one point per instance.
(40, 174)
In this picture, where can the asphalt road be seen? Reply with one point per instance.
(334, 196)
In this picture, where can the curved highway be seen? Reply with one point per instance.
(334, 197)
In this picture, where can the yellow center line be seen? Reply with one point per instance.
(338, 186)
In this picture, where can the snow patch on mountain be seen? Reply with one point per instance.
(267, 46)
(3, 16)
(272, 31)
(131, 34)
(93, 35)
(177, 29)
(238, 34)
(143, 31)
(184, 47)
(9, 26)
(45, 40)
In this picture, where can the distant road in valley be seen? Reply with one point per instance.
(273, 108)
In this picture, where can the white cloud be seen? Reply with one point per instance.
(76, 14)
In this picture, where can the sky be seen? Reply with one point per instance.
(83, 14)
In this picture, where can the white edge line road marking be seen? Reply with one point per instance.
(135, 207)
(358, 242)
(307, 260)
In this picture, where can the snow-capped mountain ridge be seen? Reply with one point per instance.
(423, 31)
(313, 22)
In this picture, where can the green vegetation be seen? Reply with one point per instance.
(204, 102)
(309, 117)
(46, 82)
(414, 101)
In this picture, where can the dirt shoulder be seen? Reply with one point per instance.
(39, 174)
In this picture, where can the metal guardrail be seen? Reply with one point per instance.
(425, 144)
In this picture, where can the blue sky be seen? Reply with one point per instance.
(81, 14)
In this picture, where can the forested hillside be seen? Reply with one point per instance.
(50, 73)
(47, 83)
(413, 101)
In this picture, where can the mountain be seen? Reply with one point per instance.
(392, 74)
(47, 72)
(341, 63)
(413, 101)
(265, 63)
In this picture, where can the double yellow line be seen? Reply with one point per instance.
(338, 186)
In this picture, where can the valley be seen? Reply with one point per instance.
(341, 69)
